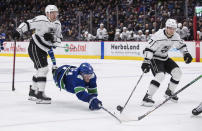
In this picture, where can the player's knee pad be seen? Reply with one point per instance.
(159, 77)
(42, 71)
(176, 74)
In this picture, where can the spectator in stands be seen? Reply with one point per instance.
(111, 33)
(147, 36)
(77, 14)
(140, 36)
(124, 36)
(88, 36)
(179, 29)
(185, 32)
(117, 35)
(102, 33)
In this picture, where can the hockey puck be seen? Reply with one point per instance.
(119, 108)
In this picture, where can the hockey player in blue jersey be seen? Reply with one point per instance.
(80, 81)
(2, 39)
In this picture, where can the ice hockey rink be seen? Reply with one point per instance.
(115, 79)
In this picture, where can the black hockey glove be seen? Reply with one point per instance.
(146, 66)
(95, 104)
(188, 58)
(49, 37)
(16, 35)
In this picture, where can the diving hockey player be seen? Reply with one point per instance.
(47, 35)
(80, 81)
(156, 58)
(197, 110)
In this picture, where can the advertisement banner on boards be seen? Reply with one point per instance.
(116, 48)
(79, 48)
(21, 47)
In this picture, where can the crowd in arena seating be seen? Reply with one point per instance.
(137, 20)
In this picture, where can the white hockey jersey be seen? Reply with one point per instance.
(102, 34)
(42, 25)
(159, 44)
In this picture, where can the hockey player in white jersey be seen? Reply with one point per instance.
(47, 35)
(197, 110)
(156, 58)
(102, 33)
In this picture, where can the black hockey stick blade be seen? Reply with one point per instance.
(180, 90)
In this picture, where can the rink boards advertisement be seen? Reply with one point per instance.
(101, 50)
(123, 50)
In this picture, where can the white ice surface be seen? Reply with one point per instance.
(116, 79)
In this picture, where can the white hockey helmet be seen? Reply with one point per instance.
(171, 23)
(50, 8)
(179, 25)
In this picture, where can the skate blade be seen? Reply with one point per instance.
(43, 102)
(166, 96)
(146, 104)
(31, 98)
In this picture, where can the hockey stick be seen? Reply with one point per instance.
(120, 108)
(111, 114)
(180, 90)
(61, 46)
(14, 56)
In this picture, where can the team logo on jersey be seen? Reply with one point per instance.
(165, 49)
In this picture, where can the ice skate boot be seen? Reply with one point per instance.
(32, 94)
(169, 93)
(147, 101)
(196, 111)
(42, 98)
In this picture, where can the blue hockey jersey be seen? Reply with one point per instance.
(2, 39)
(69, 78)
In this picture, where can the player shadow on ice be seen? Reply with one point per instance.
(69, 105)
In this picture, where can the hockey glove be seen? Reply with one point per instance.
(145, 66)
(95, 104)
(16, 35)
(188, 58)
(49, 37)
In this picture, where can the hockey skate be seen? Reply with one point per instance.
(42, 99)
(32, 94)
(169, 93)
(147, 101)
(196, 111)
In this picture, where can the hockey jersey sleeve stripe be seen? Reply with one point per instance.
(28, 26)
(41, 79)
(184, 46)
(147, 49)
(92, 90)
(39, 21)
(62, 85)
(79, 89)
(160, 57)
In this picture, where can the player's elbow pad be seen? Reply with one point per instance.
(148, 53)
(23, 27)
